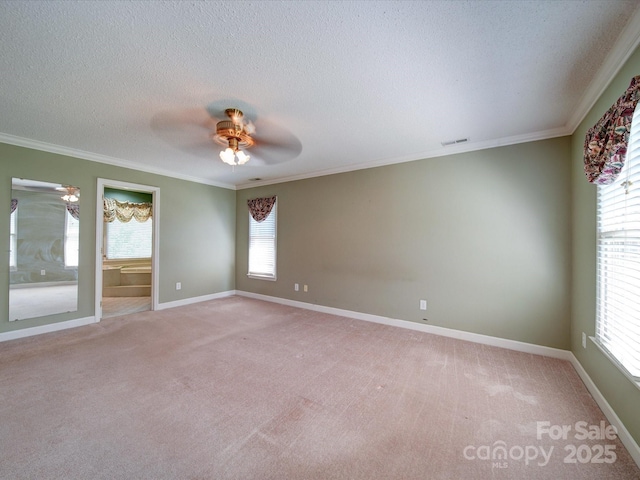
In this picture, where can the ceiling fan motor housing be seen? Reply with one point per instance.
(232, 132)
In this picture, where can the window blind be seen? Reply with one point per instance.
(618, 260)
(262, 246)
(132, 239)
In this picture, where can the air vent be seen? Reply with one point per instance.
(454, 142)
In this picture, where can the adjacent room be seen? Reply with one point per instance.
(320, 239)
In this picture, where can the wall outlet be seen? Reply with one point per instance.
(296, 287)
(423, 304)
(306, 288)
(178, 286)
(43, 272)
(584, 340)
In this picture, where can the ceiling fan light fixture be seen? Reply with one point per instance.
(71, 196)
(242, 157)
(228, 156)
(235, 134)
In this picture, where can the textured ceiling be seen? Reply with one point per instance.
(351, 83)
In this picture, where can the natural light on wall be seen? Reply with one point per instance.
(618, 259)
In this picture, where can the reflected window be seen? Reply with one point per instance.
(71, 241)
(128, 240)
(13, 240)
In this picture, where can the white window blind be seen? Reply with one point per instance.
(132, 239)
(71, 240)
(262, 246)
(618, 260)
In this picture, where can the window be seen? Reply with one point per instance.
(262, 246)
(128, 240)
(618, 261)
(13, 240)
(71, 240)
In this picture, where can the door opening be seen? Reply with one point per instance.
(127, 219)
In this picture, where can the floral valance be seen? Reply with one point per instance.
(14, 204)
(260, 208)
(74, 210)
(605, 146)
(125, 211)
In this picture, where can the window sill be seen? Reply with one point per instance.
(615, 362)
(261, 277)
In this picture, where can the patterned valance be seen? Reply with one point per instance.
(125, 211)
(605, 146)
(260, 208)
(74, 210)
(14, 204)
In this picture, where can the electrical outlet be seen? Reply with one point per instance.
(306, 288)
(584, 340)
(178, 285)
(43, 272)
(423, 304)
(296, 287)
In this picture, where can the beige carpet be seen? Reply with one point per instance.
(242, 389)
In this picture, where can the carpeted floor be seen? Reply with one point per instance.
(242, 389)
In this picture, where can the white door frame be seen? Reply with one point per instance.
(155, 195)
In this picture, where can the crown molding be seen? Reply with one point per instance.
(96, 157)
(438, 152)
(626, 44)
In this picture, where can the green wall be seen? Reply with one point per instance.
(128, 195)
(484, 237)
(197, 228)
(621, 394)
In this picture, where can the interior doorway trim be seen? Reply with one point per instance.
(155, 200)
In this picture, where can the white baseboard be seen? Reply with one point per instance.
(189, 301)
(624, 435)
(51, 327)
(442, 331)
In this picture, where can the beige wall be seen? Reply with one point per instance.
(621, 394)
(484, 237)
(197, 228)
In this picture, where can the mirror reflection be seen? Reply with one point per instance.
(44, 243)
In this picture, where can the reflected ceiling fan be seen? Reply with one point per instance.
(231, 124)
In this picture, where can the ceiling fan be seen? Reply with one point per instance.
(235, 133)
(231, 124)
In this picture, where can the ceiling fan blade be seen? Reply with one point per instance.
(186, 130)
(275, 144)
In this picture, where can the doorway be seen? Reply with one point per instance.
(126, 285)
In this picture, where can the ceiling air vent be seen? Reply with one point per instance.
(454, 142)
